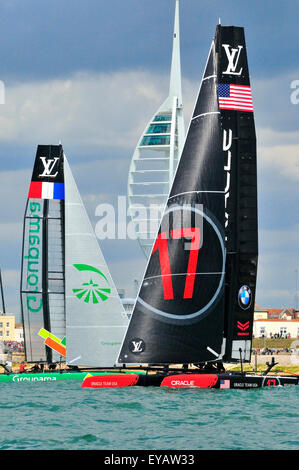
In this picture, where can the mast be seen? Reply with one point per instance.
(42, 273)
(196, 305)
(179, 313)
(240, 167)
(70, 305)
(156, 155)
(2, 294)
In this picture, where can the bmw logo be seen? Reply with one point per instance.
(245, 297)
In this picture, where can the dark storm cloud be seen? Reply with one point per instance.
(55, 38)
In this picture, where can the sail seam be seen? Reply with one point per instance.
(79, 233)
(197, 192)
(94, 326)
(210, 76)
(181, 274)
(205, 114)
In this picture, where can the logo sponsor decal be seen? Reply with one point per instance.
(92, 291)
(137, 346)
(245, 385)
(53, 342)
(233, 56)
(110, 380)
(37, 378)
(190, 380)
(243, 327)
(45, 190)
(32, 260)
(182, 383)
(181, 298)
(235, 97)
(245, 297)
(49, 167)
(271, 382)
(47, 179)
(224, 383)
(226, 145)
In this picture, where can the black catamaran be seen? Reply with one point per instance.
(196, 302)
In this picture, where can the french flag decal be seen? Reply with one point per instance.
(44, 190)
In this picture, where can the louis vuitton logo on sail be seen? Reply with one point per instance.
(233, 56)
(49, 167)
(137, 345)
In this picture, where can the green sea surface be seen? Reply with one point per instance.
(63, 416)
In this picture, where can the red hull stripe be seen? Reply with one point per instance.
(113, 380)
(190, 380)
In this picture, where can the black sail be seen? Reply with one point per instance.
(42, 274)
(179, 312)
(241, 227)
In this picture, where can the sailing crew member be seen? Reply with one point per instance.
(22, 367)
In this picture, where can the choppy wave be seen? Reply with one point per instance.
(63, 415)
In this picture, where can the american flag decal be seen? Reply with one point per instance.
(224, 383)
(237, 97)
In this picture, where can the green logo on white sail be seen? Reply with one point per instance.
(92, 290)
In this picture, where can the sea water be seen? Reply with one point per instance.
(64, 416)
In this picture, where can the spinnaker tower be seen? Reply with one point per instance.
(156, 156)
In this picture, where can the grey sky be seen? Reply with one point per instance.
(91, 73)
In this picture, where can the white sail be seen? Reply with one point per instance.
(95, 318)
(156, 156)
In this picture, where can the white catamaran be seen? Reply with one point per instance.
(70, 305)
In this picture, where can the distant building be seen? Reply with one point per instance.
(7, 327)
(121, 293)
(281, 322)
(10, 330)
(260, 313)
(128, 304)
(19, 333)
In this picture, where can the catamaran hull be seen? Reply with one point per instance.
(223, 381)
(49, 376)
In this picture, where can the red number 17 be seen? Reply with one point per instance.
(162, 246)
